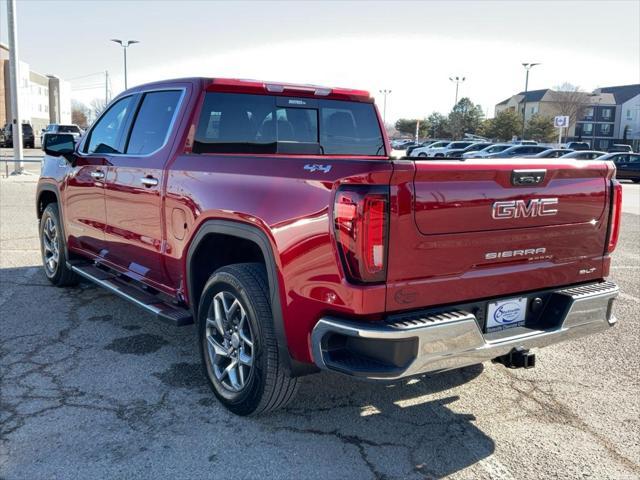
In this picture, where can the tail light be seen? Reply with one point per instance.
(361, 225)
(616, 211)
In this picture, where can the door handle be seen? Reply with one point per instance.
(97, 174)
(149, 181)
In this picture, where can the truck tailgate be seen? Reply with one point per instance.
(467, 230)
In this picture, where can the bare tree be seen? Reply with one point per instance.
(97, 105)
(80, 113)
(571, 101)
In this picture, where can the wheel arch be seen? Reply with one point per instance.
(248, 236)
(46, 194)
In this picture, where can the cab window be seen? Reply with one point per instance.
(152, 122)
(106, 134)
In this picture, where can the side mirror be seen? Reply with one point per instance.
(59, 144)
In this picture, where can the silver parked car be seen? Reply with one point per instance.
(553, 153)
(584, 155)
(485, 152)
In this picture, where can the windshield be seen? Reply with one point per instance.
(245, 123)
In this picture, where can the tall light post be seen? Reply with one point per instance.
(385, 92)
(458, 81)
(527, 67)
(14, 82)
(125, 44)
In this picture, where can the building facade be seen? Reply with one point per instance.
(43, 99)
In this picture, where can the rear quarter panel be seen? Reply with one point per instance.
(293, 207)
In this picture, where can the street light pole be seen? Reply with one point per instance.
(457, 81)
(125, 44)
(384, 92)
(527, 67)
(14, 79)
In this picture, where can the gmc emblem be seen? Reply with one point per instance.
(537, 207)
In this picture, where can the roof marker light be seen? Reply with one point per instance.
(273, 88)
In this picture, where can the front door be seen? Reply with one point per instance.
(133, 190)
(84, 206)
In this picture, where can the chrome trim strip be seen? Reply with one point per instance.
(458, 341)
(113, 289)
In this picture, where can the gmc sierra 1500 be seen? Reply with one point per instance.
(272, 216)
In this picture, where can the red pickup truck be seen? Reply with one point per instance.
(273, 217)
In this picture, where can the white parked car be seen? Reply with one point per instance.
(442, 151)
(424, 151)
(485, 152)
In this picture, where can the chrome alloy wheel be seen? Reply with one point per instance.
(51, 244)
(229, 341)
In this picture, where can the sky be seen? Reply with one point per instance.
(411, 48)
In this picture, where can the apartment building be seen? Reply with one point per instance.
(603, 117)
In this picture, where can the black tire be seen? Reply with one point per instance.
(422, 155)
(60, 275)
(267, 386)
(636, 180)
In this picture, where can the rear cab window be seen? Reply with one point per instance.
(248, 123)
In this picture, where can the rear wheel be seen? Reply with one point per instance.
(237, 341)
(53, 249)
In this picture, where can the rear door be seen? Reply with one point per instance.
(482, 228)
(134, 231)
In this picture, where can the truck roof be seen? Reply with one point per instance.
(262, 87)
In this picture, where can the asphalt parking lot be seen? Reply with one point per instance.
(91, 387)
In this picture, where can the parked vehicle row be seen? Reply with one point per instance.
(28, 135)
(484, 149)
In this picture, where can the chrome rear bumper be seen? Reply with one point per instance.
(453, 339)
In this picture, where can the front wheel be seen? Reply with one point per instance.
(52, 248)
(422, 155)
(237, 341)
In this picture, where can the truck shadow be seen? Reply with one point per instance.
(400, 429)
(410, 428)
